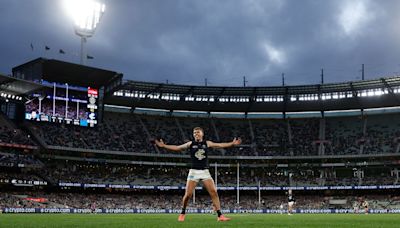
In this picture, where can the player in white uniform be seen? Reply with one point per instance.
(365, 204)
(291, 202)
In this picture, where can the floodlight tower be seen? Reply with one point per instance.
(86, 15)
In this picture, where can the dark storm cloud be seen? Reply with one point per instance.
(185, 42)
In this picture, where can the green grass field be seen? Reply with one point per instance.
(198, 220)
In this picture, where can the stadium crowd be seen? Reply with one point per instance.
(13, 135)
(15, 159)
(133, 133)
(135, 200)
(291, 137)
(56, 171)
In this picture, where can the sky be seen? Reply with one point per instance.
(218, 41)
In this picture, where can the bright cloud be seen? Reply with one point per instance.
(354, 16)
(275, 55)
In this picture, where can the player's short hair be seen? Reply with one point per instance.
(198, 128)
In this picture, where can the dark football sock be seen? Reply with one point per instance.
(183, 211)
(219, 213)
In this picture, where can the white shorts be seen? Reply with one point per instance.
(290, 204)
(199, 174)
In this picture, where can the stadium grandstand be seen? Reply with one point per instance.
(77, 137)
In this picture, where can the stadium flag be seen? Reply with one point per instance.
(61, 51)
(89, 57)
(46, 48)
(31, 46)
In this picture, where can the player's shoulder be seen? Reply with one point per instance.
(186, 145)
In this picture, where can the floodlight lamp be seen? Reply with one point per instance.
(86, 15)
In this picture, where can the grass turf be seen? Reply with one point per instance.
(199, 220)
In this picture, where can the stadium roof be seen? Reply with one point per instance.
(64, 72)
(273, 90)
(15, 86)
(215, 98)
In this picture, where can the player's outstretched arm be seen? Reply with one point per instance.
(235, 142)
(178, 148)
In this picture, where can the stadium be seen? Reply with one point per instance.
(335, 145)
(78, 149)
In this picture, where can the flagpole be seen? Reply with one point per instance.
(259, 193)
(66, 101)
(77, 109)
(40, 105)
(237, 187)
(54, 99)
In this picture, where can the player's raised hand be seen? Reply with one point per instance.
(160, 143)
(237, 141)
